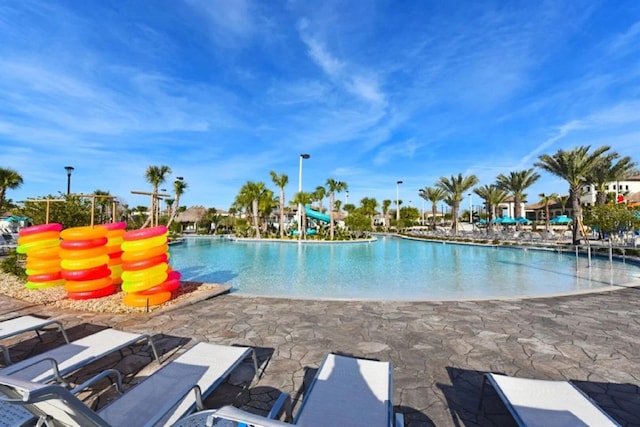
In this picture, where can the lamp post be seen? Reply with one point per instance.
(302, 157)
(398, 200)
(346, 197)
(471, 210)
(69, 169)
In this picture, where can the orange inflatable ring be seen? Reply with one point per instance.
(87, 285)
(44, 285)
(144, 284)
(128, 256)
(35, 271)
(83, 264)
(145, 263)
(45, 253)
(27, 247)
(83, 253)
(42, 263)
(86, 274)
(113, 226)
(145, 233)
(83, 233)
(137, 300)
(144, 244)
(44, 277)
(84, 244)
(47, 235)
(166, 286)
(92, 294)
(54, 226)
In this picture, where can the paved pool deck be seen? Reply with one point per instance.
(439, 349)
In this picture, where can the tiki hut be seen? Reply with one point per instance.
(190, 218)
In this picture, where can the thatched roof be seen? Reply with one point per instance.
(192, 214)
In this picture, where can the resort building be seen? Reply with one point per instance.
(621, 189)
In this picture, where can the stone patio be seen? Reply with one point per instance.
(439, 349)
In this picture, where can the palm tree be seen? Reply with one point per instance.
(9, 179)
(563, 200)
(303, 199)
(319, 194)
(249, 198)
(492, 196)
(333, 186)
(455, 188)
(433, 195)
(605, 172)
(281, 181)
(369, 207)
(546, 200)
(515, 184)
(102, 202)
(178, 188)
(574, 166)
(385, 211)
(155, 175)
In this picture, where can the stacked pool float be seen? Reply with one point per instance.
(147, 278)
(84, 262)
(41, 244)
(115, 233)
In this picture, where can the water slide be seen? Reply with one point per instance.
(317, 215)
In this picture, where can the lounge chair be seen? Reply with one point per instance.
(58, 362)
(22, 324)
(346, 391)
(546, 403)
(168, 394)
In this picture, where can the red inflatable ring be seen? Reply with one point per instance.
(145, 233)
(92, 294)
(145, 263)
(84, 244)
(54, 226)
(114, 226)
(87, 274)
(166, 286)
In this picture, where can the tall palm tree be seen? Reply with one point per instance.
(546, 200)
(334, 186)
(515, 183)
(319, 194)
(563, 200)
(249, 198)
(574, 166)
(155, 175)
(433, 195)
(606, 171)
(492, 196)
(456, 187)
(303, 199)
(369, 207)
(178, 188)
(280, 181)
(385, 211)
(9, 179)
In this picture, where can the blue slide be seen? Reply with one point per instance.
(317, 215)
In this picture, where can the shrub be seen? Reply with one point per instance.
(14, 264)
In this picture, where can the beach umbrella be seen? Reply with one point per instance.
(496, 221)
(507, 220)
(522, 220)
(482, 221)
(562, 219)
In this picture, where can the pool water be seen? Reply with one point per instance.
(392, 269)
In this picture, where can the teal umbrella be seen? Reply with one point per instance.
(562, 219)
(522, 220)
(507, 220)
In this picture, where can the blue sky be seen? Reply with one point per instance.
(375, 91)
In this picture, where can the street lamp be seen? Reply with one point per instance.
(69, 169)
(346, 197)
(471, 210)
(302, 157)
(398, 200)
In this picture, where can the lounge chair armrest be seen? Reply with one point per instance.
(283, 402)
(98, 377)
(54, 366)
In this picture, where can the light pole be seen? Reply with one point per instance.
(471, 210)
(398, 200)
(69, 169)
(346, 197)
(302, 157)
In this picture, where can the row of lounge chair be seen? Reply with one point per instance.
(346, 391)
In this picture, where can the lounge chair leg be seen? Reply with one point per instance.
(484, 383)
(5, 353)
(153, 347)
(254, 356)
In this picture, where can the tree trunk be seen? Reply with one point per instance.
(577, 215)
(454, 217)
(331, 208)
(282, 213)
(255, 218)
(434, 211)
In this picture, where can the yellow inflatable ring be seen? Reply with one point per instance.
(87, 285)
(44, 285)
(129, 256)
(26, 248)
(137, 300)
(143, 285)
(144, 244)
(139, 275)
(30, 238)
(82, 264)
(42, 228)
(83, 233)
(83, 253)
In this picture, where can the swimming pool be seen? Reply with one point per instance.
(392, 269)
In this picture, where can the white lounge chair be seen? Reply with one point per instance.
(58, 362)
(346, 391)
(167, 395)
(544, 403)
(18, 325)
